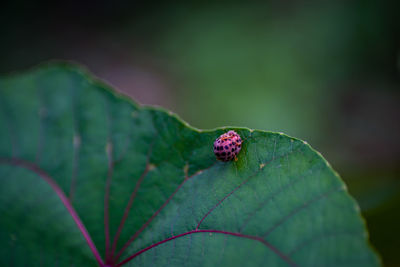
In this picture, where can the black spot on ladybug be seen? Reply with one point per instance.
(223, 153)
(226, 147)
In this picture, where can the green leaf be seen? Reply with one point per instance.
(89, 178)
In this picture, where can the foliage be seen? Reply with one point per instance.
(86, 175)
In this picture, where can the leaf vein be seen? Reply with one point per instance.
(137, 233)
(60, 193)
(302, 207)
(280, 254)
(238, 187)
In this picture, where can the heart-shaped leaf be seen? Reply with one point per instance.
(89, 178)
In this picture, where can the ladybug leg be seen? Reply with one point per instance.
(236, 159)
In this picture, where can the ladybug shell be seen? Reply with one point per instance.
(227, 146)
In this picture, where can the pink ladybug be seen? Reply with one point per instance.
(227, 146)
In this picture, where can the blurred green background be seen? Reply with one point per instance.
(327, 72)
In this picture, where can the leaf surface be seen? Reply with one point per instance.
(89, 178)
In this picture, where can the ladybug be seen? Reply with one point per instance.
(227, 146)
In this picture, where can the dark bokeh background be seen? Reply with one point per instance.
(324, 71)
